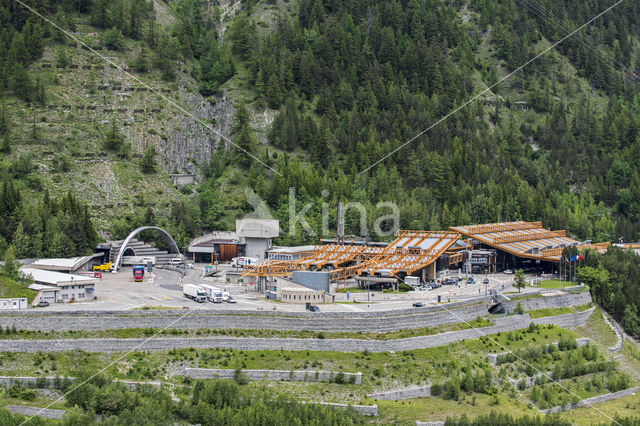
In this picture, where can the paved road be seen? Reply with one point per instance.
(163, 288)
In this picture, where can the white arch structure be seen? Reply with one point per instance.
(173, 247)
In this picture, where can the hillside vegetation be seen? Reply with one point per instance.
(319, 92)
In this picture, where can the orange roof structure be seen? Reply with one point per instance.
(525, 239)
(411, 251)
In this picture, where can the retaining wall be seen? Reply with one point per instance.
(514, 322)
(592, 400)
(555, 301)
(277, 375)
(429, 316)
(365, 410)
(409, 393)
(47, 413)
(50, 382)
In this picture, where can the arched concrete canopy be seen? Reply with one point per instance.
(173, 247)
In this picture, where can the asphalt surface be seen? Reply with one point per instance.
(163, 288)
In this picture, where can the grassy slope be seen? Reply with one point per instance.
(10, 288)
(94, 175)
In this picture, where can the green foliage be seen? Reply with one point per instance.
(495, 418)
(614, 281)
(519, 310)
(142, 62)
(519, 281)
(5, 144)
(45, 228)
(113, 39)
(10, 266)
(148, 161)
(20, 82)
(114, 139)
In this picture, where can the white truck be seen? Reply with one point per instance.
(210, 290)
(217, 297)
(194, 292)
(412, 281)
(241, 261)
(225, 296)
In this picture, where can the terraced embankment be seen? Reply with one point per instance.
(514, 322)
(376, 322)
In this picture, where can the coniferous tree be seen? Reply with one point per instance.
(114, 140)
(273, 93)
(5, 144)
(148, 161)
(20, 82)
(10, 267)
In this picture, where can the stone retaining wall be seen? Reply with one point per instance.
(409, 393)
(592, 400)
(277, 375)
(556, 301)
(514, 322)
(365, 410)
(567, 320)
(50, 382)
(25, 410)
(618, 345)
(386, 321)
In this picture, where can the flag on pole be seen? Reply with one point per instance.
(573, 258)
(580, 257)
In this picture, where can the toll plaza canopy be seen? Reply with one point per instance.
(409, 252)
(525, 239)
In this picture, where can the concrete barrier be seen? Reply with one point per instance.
(365, 410)
(275, 375)
(407, 393)
(25, 410)
(592, 400)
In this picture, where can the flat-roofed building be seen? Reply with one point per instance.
(68, 265)
(289, 253)
(65, 287)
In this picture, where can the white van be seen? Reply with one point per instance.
(175, 261)
(217, 297)
(225, 296)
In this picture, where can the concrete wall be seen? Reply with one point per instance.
(592, 400)
(182, 180)
(50, 382)
(257, 247)
(378, 321)
(14, 303)
(275, 375)
(365, 410)
(555, 301)
(514, 322)
(410, 393)
(312, 279)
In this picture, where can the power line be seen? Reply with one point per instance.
(474, 98)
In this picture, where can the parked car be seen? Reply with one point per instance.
(230, 299)
(314, 308)
(469, 280)
(418, 305)
(485, 281)
(43, 303)
(508, 271)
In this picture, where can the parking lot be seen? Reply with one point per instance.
(163, 289)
